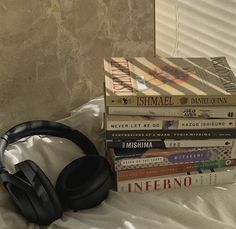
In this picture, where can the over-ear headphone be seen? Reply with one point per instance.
(83, 183)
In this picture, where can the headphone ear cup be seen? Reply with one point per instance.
(46, 204)
(21, 199)
(84, 183)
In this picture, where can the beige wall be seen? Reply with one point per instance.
(51, 52)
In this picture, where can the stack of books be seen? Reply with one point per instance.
(170, 122)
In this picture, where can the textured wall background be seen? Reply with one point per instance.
(51, 51)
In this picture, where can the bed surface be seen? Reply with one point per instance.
(206, 207)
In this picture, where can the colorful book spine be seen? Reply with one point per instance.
(184, 112)
(134, 159)
(130, 174)
(183, 180)
(117, 122)
(167, 143)
(170, 134)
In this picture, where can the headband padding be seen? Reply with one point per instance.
(82, 178)
(28, 165)
(43, 127)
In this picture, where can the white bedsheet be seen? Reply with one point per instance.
(208, 207)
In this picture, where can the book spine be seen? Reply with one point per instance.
(218, 177)
(157, 158)
(170, 134)
(167, 143)
(176, 100)
(166, 124)
(182, 112)
(130, 174)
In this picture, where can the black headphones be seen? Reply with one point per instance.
(82, 184)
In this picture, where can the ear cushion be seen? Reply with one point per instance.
(87, 178)
(24, 196)
(28, 167)
(22, 202)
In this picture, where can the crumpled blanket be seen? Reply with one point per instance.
(200, 207)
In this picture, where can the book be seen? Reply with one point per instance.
(225, 175)
(184, 112)
(128, 122)
(161, 81)
(122, 175)
(167, 143)
(124, 159)
(170, 134)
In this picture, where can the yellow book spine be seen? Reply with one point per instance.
(176, 100)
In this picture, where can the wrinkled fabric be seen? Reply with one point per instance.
(200, 207)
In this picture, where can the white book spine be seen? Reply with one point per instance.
(199, 143)
(169, 124)
(218, 177)
(190, 112)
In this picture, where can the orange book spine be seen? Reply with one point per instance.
(154, 171)
(171, 169)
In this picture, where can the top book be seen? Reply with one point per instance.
(161, 81)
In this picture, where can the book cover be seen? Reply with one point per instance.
(142, 158)
(122, 175)
(184, 112)
(161, 81)
(166, 143)
(128, 122)
(225, 175)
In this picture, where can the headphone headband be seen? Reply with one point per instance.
(43, 127)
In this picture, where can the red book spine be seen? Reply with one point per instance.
(154, 171)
